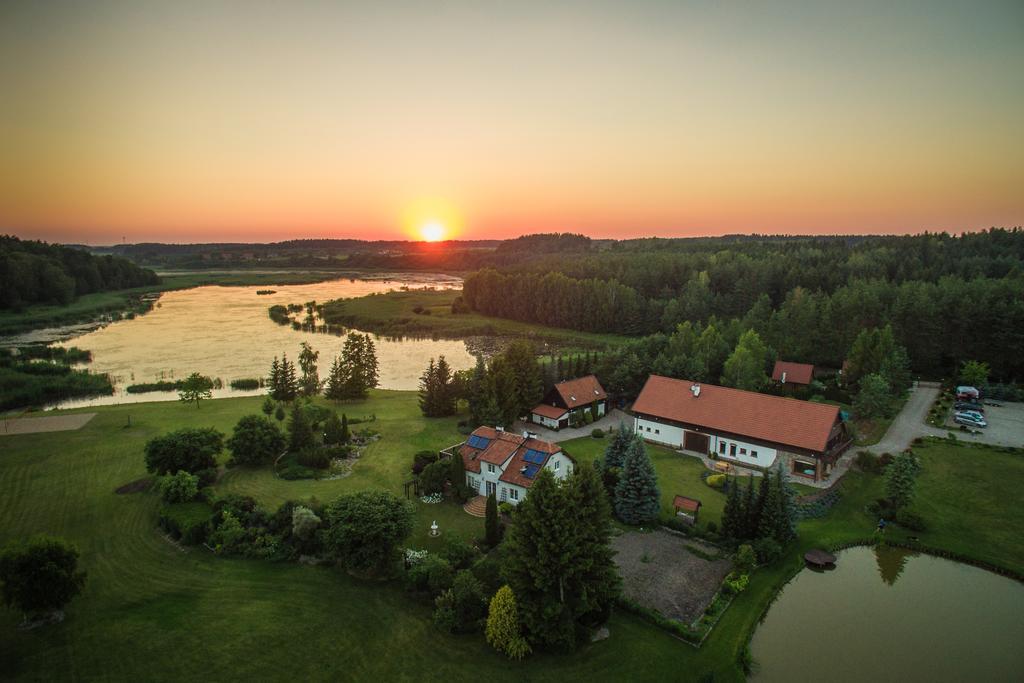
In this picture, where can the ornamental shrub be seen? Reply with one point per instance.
(433, 478)
(735, 583)
(597, 433)
(911, 520)
(504, 632)
(461, 608)
(179, 488)
(746, 559)
(767, 550)
(715, 481)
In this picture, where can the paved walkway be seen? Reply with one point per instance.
(53, 423)
(910, 423)
(609, 421)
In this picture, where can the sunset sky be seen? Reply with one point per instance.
(257, 121)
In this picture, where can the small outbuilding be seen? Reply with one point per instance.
(689, 507)
(796, 374)
(569, 401)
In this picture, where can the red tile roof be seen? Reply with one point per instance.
(784, 421)
(580, 391)
(505, 446)
(684, 503)
(796, 373)
(553, 412)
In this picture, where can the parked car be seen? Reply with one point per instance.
(969, 420)
(967, 392)
(969, 413)
(969, 405)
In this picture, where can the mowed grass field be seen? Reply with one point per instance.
(152, 612)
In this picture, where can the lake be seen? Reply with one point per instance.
(225, 332)
(886, 614)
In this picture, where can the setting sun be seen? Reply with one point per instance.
(432, 231)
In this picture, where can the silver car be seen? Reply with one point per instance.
(969, 420)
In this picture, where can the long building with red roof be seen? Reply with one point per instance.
(744, 427)
(506, 463)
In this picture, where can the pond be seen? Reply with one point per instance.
(890, 614)
(226, 333)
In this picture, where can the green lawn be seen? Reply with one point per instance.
(152, 612)
(392, 314)
(677, 474)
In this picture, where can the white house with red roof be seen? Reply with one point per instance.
(568, 398)
(506, 464)
(743, 427)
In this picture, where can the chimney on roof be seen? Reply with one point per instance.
(783, 376)
(499, 429)
(526, 434)
(695, 389)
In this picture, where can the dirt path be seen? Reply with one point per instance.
(910, 423)
(52, 423)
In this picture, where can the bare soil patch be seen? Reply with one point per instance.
(659, 572)
(51, 423)
(137, 486)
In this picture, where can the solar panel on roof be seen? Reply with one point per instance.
(534, 456)
(531, 471)
(479, 442)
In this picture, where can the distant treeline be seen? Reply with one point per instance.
(947, 298)
(35, 272)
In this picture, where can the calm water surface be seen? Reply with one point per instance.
(225, 332)
(891, 615)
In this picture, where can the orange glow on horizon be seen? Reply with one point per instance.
(432, 231)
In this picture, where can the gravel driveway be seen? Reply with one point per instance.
(910, 423)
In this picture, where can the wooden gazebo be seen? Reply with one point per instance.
(688, 506)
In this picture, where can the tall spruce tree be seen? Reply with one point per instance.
(300, 432)
(787, 507)
(901, 479)
(428, 390)
(476, 393)
(751, 510)
(734, 516)
(539, 559)
(288, 383)
(335, 387)
(770, 521)
(615, 452)
(274, 380)
(457, 476)
(596, 583)
(637, 499)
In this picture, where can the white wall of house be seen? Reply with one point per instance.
(745, 453)
(650, 430)
(560, 465)
(546, 421)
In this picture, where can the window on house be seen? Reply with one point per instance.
(721, 447)
(732, 449)
(743, 451)
(513, 494)
(490, 467)
(657, 431)
(753, 454)
(557, 463)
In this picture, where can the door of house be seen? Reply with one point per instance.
(491, 487)
(692, 441)
(563, 423)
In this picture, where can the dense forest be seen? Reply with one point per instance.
(35, 272)
(947, 298)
